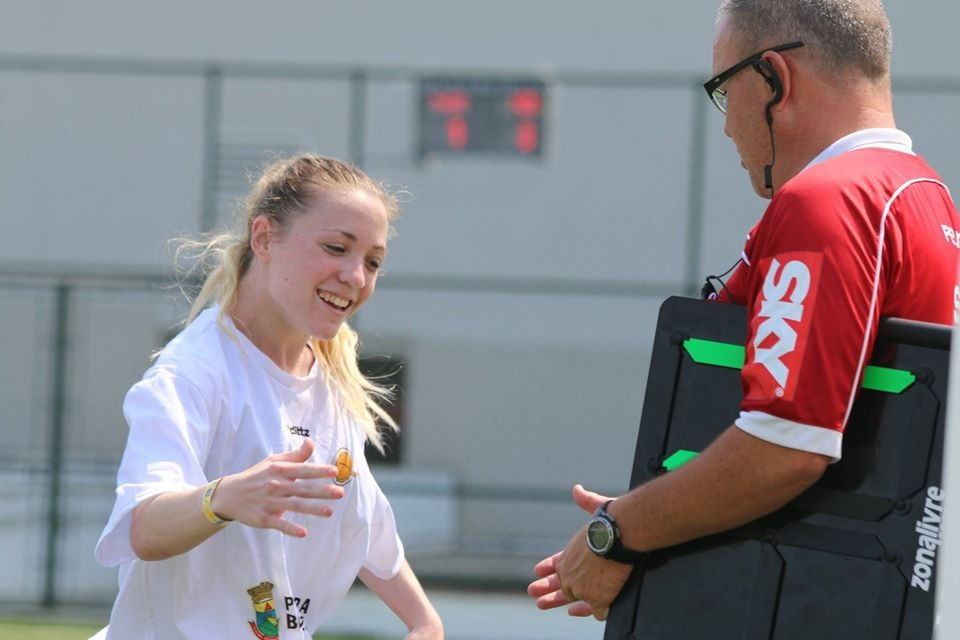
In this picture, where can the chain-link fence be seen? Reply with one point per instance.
(77, 343)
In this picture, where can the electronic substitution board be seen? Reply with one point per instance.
(854, 557)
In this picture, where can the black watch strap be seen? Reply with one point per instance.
(618, 552)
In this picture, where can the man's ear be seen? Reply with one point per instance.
(261, 237)
(780, 77)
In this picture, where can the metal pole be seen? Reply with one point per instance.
(57, 402)
(358, 117)
(357, 134)
(212, 113)
(695, 215)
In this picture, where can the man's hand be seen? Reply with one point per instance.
(735, 480)
(576, 576)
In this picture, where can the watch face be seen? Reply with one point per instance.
(599, 536)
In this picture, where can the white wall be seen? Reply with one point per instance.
(608, 35)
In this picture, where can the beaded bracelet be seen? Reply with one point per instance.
(208, 512)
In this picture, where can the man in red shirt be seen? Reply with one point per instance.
(858, 227)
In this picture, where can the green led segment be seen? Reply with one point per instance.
(732, 356)
(678, 458)
(885, 379)
(720, 354)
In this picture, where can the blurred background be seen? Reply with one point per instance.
(562, 172)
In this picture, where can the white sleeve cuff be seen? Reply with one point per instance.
(114, 547)
(792, 435)
(385, 553)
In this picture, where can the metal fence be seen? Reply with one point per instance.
(74, 344)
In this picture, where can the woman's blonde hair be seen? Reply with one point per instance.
(283, 191)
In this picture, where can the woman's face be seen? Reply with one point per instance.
(325, 266)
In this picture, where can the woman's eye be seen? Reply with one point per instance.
(335, 249)
(374, 265)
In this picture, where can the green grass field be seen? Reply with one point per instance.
(27, 630)
(31, 630)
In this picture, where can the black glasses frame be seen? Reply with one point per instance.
(717, 95)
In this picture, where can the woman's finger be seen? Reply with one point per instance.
(284, 526)
(316, 490)
(309, 507)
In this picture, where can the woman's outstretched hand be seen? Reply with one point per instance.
(279, 483)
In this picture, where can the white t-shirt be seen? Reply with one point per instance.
(214, 405)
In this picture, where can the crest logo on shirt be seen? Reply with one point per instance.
(778, 325)
(266, 626)
(344, 463)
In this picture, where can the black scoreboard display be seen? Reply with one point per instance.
(472, 116)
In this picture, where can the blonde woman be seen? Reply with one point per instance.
(245, 507)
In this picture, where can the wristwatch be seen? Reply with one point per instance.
(603, 538)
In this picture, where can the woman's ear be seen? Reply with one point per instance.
(261, 236)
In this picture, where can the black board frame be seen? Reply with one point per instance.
(841, 561)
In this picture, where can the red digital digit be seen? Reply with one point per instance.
(527, 106)
(454, 105)
(453, 102)
(526, 103)
(458, 133)
(527, 136)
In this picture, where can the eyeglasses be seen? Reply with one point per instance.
(717, 95)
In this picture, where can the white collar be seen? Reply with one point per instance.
(892, 139)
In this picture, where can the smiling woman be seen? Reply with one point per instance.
(313, 240)
(257, 414)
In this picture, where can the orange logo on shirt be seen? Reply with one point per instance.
(780, 324)
(344, 463)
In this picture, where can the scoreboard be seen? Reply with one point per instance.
(475, 116)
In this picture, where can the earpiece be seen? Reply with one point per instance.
(769, 74)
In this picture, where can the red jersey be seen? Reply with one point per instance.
(867, 233)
